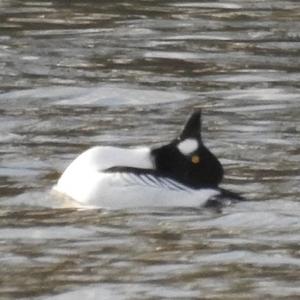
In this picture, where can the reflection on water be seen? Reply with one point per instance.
(77, 74)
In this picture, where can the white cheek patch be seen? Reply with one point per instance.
(188, 146)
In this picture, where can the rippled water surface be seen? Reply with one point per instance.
(74, 74)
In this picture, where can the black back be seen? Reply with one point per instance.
(196, 169)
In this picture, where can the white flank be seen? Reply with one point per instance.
(85, 182)
(121, 190)
(188, 146)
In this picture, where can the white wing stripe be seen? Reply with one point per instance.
(177, 185)
(147, 180)
(153, 181)
(151, 178)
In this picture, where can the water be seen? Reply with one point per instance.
(77, 74)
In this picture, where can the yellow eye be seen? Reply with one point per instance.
(195, 159)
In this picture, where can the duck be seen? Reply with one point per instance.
(181, 173)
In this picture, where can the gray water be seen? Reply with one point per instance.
(74, 74)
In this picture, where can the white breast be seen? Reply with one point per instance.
(82, 176)
(101, 158)
(85, 182)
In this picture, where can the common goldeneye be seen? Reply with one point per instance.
(182, 173)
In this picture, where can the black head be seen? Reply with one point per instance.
(187, 160)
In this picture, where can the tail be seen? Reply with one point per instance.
(223, 199)
(231, 195)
